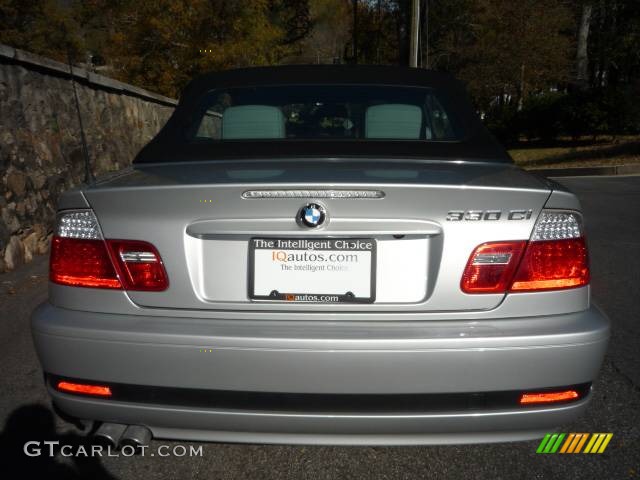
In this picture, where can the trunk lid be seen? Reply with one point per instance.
(202, 225)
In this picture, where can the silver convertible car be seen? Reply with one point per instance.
(321, 255)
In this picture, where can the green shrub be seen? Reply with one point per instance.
(547, 116)
(540, 116)
(502, 121)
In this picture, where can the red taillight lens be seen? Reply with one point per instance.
(498, 267)
(491, 267)
(81, 263)
(553, 264)
(80, 257)
(98, 390)
(87, 263)
(139, 265)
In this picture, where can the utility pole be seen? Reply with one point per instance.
(415, 32)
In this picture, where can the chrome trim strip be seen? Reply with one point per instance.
(492, 259)
(305, 193)
(138, 257)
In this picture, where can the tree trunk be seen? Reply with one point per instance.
(415, 33)
(582, 56)
(425, 19)
(521, 89)
(355, 31)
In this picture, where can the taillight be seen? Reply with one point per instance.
(81, 263)
(80, 257)
(555, 258)
(140, 265)
(553, 264)
(491, 267)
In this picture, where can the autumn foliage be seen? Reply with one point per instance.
(523, 61)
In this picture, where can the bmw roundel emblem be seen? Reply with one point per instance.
(312, 215)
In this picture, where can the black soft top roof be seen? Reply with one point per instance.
(318, 75)
(170, 145)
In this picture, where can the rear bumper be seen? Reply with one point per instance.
(333, 358)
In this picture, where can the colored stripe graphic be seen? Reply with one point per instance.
(606, 442)
(567, 443)
(550, 443)
(581, 443)
(578, 442)
(574, 442)
(555, 447)
(543, 443)
(598, 442)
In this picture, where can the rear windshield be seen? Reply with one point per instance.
(332, 112)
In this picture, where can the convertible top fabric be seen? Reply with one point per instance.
(171, 144)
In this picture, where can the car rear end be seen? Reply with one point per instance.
(322, 300)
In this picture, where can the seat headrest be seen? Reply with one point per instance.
(252, 121)
(393, 120)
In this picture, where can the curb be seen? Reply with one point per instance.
(588, 171)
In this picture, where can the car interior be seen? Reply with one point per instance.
(249, 114)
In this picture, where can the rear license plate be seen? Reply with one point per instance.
(318, 270)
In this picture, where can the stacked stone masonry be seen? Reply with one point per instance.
(40, 147)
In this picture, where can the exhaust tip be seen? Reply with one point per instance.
(136, 437)
(108, 435)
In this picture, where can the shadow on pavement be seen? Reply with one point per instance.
(36, 423)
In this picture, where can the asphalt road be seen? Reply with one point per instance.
(612, 208)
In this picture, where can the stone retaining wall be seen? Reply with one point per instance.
(40, 148)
